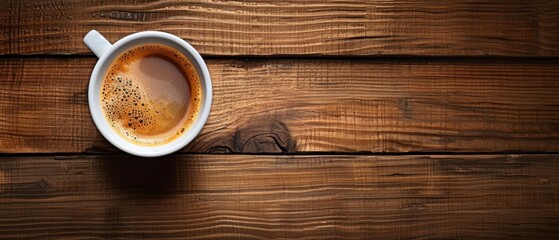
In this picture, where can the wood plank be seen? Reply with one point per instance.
(274, 27)
(287, 105)
(219, 196)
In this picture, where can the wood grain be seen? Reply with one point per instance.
(316, 27)
(288, 106)
(236, 196)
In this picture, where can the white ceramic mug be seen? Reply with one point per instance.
(107, 53)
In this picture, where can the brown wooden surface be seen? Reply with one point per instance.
(272, 27)
(374, 120)
(290, 105)
(389, 197)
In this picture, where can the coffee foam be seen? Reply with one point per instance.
(141, 107)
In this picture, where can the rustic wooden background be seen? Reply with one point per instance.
(331, 119)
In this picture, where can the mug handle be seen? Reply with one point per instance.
(96, 43)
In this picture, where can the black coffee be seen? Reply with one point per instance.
(151, 94)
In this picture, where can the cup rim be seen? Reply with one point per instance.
(164, 149)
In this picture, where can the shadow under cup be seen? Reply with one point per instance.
(120, 47)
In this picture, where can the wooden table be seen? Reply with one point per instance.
(331, 119)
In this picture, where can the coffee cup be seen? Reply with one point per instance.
(144, 64)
